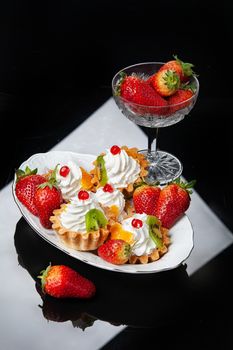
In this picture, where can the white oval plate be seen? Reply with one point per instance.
(181, 233)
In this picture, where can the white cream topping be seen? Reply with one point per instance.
(121, 169)
(73, 216)
(144, 244)
(70, 184)
(108, 199)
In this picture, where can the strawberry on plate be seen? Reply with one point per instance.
(26, 185)
(173, 201)
(136, 90)
(47, 198)
(145, 198)
(61, 281)
(181, 95)
(115, 251)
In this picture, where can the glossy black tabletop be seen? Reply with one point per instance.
(56, 66)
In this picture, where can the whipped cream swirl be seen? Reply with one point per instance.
(121, 169)
(73, 216)
(70, 184)
(144, 244)
(108, 199)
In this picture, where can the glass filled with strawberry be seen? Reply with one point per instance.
(155, 95)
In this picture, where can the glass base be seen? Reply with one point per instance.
(163, 167)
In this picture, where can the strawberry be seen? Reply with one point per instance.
(145, 198)
(175, 101)
(174, 200)
(47, 198)
(26, 185)
(138, 91)
(61, 281)
(166, 82)
(184, 70)
(115, 251)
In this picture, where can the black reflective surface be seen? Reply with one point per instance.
(127, 299)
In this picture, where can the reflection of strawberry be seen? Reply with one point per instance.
(145, 198)
(178, 97)
(136, 90)
(61, 281)
(174, 200)
(26, 185)
(115, 251)
(47, 198)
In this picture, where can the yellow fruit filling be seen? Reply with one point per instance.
(117, 232)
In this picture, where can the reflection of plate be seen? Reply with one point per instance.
(137, 300)
(181, 233)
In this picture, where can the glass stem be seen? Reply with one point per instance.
(153, 140)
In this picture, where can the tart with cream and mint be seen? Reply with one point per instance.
(121, 167)
(81, 224)
(70, 178)
(148, 239)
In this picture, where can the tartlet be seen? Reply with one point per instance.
(70, 223)
(136, 230)
(121, 167)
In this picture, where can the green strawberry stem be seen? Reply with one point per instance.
(43, 277)
(185, 185)
(123, 75)
(23, 173)
(52, 181)
(172, 80)
(187, 67)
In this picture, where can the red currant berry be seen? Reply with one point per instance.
(83, 195)
(137, 223)
(64, 171)
(108, 188)
(115, 150)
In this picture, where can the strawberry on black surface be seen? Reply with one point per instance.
(61, 281)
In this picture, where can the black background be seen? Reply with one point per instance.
(58, 57)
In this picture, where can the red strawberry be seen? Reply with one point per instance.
(47, 198)
(166, 82)
(179, 97)
(115, 251)
(26, 185)
(138, 91)
(184, 70)
(174, 200)
(145, 198)
(61, 281)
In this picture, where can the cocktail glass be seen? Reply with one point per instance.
(163, 166)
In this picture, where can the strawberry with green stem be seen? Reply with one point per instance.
(173, 201)
(115, 251)
(47, 198)
(183, 69)
(26, 184)
(61, 281)
(166, 82)
(136, 90)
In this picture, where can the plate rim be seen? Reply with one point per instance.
(119, 268)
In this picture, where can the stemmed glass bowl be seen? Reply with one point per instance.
(163, 166)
